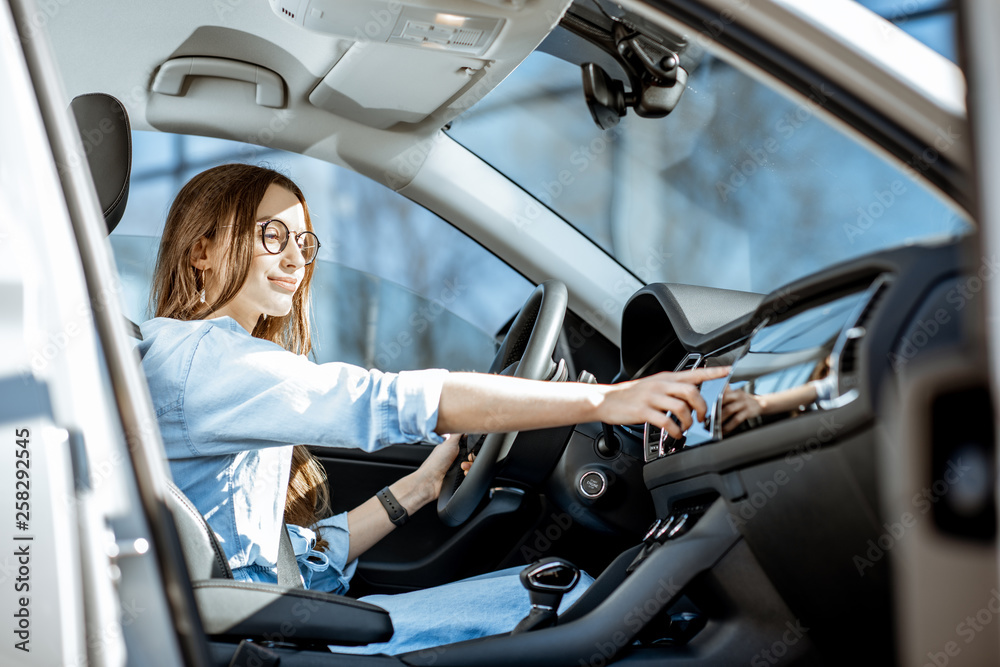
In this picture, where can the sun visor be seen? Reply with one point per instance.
(380, 85)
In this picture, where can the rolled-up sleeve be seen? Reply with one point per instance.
(242, 392)
(326, 570)
(417, 394)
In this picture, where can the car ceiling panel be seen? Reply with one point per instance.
(118, 46)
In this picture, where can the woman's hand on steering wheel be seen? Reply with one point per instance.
(432, 471)
(467, 465)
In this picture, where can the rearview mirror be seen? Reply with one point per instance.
(605, 96)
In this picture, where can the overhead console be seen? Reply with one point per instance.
(464, 30)
(411, 60)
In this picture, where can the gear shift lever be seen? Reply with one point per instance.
(547, 581)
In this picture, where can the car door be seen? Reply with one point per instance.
(946, 576)
(85, 566)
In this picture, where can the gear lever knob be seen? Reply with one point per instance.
(547, 581)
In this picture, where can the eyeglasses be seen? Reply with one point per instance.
(274, 234)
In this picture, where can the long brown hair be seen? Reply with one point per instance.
(308, 498)
(221, 203)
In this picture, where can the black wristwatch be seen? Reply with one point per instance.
(397, 513)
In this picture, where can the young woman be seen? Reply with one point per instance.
(234, 394)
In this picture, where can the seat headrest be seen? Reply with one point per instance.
(107, 143)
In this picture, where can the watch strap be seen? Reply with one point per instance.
(397, 513)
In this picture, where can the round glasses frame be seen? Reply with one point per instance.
(287, 234)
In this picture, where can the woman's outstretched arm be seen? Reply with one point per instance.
(475, 402)
(478, 403)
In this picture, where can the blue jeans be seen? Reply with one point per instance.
(488, 604)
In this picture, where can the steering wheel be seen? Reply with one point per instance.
(529, 343)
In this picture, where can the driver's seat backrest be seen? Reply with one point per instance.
(205, 558)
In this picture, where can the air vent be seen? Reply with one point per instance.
(849, 356)
(287, 13)
(847, 359)
(691, 361)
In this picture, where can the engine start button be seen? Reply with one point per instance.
(593, 484)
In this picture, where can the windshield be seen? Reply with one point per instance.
(739, 187)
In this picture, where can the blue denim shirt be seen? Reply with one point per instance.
(230, 407)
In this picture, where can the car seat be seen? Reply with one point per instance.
(229, 609)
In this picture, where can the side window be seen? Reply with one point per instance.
(396, 287)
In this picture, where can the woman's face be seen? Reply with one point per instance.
(273, 279)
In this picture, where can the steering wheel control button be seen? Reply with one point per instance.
(593, 484)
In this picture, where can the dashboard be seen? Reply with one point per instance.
(799, 483)
(840, 337)
(835, 341)
(771, 518)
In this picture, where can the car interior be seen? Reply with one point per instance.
(786, 537)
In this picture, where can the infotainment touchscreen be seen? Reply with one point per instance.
(789, 365)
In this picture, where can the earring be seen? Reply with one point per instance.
(202, 295)
(265, 317)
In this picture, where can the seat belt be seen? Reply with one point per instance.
(288, 567)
